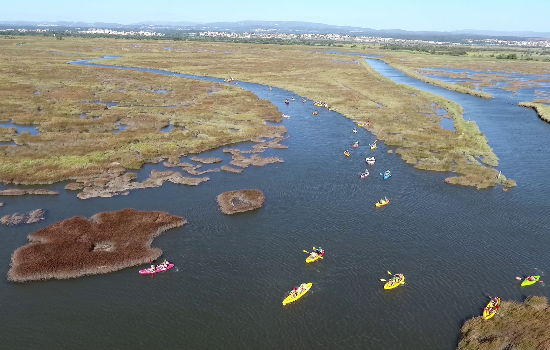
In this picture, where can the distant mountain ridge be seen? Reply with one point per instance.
(280, 26)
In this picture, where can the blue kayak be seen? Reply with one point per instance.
(385, 175)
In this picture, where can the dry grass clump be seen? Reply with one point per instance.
(206, 160)
(522, 326)
(543, 111)
(28, 218)
(240, 201)
(22, 192)
(114, 182)
(76, 247)
(231, 169)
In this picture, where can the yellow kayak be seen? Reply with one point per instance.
(347, 154)
(388, 284)
(373, 146)
(486, 314)
(381, 204)
(315, 257)
(359, 124)
(290, 298)
(318, 105)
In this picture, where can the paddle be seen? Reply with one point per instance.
(383, 280)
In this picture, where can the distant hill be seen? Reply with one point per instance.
(291, 27)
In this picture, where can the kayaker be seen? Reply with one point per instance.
(287, 101)
(531, 278)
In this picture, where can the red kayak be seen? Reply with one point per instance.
(158, 269)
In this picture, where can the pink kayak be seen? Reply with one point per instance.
(158, 269)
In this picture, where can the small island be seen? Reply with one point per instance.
(76, 247)
(515, 326)
(28, 218)
(240, 201)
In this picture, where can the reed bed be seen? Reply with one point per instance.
(515, 326)
(240, 201)
(77, 125)
(76, 247)
(397, 113)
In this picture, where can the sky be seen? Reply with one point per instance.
(433, 15)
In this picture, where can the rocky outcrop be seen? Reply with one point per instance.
(28, 218)
(240, 201)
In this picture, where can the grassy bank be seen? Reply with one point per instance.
(68, 105)
(412, 72)
(543, 111)
(521, 326)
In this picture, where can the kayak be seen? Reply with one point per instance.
(289, 299)
(395, 285)
(347, 154)
(364, 175)
(312, 258)
(373, 146)
(486, 314)
(158, 269)
(355, 145)
(381, 204)
(526, 282)
(386, 175)
(370, 160)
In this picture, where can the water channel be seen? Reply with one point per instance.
(453, 244)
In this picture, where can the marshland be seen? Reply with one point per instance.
(231, 268)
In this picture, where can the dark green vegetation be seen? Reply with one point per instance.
(516, 326)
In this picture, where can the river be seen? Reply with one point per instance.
(453, 244)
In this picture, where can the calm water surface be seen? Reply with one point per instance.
(454, 245)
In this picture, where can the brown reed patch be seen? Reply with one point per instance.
(515, 326)
(107, 242)
(240, 201)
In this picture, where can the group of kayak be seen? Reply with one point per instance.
(322, 104)
(494, 304)
(297, 292)
(370, 161)
(229, 80)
